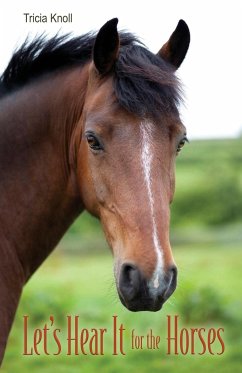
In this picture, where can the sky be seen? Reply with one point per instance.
(211, 72)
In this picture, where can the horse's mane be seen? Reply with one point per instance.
(143, 82)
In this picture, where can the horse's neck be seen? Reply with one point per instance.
(38, 194)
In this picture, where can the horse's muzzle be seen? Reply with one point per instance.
(138, 294)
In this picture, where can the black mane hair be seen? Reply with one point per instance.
(144, 83)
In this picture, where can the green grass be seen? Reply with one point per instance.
(208, 295)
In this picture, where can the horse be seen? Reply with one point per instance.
(90, 123)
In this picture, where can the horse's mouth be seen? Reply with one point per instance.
(142, 304)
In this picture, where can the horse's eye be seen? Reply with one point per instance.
(93, 142)
(181, 144)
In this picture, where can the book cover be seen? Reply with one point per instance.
(105, 264)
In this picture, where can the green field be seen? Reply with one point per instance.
(77, 279)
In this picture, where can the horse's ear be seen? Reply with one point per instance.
(106, 47)
(174, 51)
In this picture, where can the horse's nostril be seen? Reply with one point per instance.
(171, 279)
(129, 281)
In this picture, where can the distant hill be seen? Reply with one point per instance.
(209, 183)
